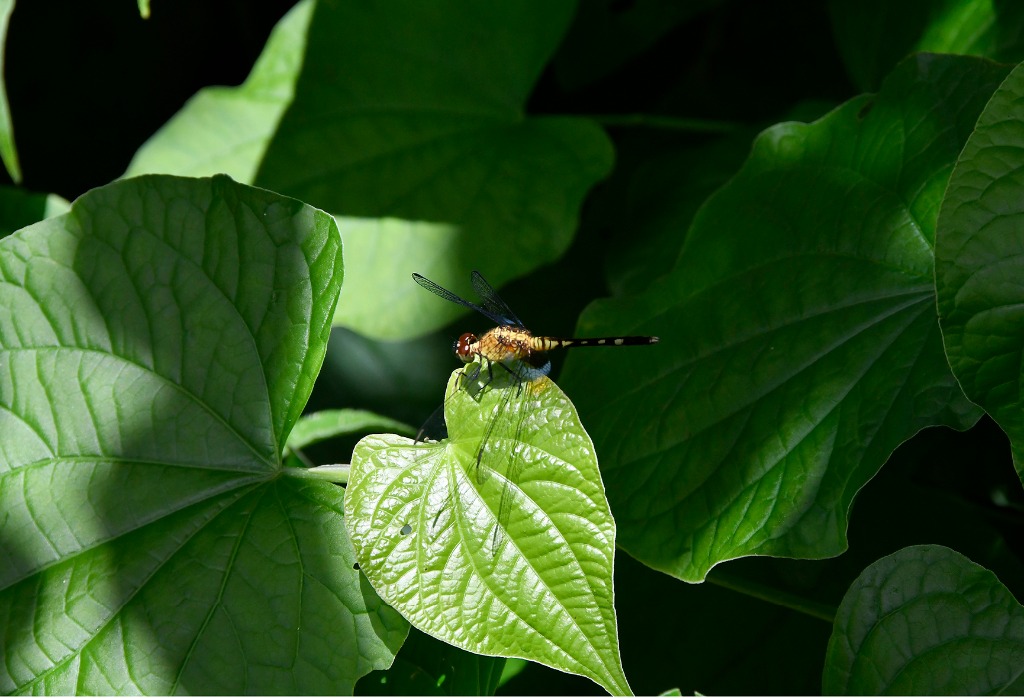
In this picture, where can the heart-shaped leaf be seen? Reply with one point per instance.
(926, 621)
(157, 344)
(511, 557)
(799, 338)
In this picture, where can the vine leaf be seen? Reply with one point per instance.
(157, 343)
(425, 525)
(408, 121)
(923, 621)
(978, 264)
(800, 345)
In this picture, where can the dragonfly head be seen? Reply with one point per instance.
(464, 347)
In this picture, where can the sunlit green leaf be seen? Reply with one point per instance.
(926, 621)
(799, 337)
(228, 129)
(375, 244)
(979, 266)
(513, 667)
(318, 426)
(158, 342)
(425, 523)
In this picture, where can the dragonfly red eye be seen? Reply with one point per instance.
(464, 346)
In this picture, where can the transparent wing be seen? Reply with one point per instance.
(494, 305)
(501, 448)
(426, 283)
(499, 454)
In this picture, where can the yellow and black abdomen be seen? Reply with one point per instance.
(549, 343)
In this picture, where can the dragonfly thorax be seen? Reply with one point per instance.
(504, 344)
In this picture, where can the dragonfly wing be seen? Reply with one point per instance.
(512, 472)
(434, 429)
(449, 296)
(497, 309)
(501, 448)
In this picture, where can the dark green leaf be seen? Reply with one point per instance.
(424, 519)
(608, 33)
(19, 208)
(429, 667)
(874, 36)
(926, 621)
(979, 265)
(663, 197)
(799, 338)
(158, 342)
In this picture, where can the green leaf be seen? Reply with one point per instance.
(405, 110)
(926, 621)
(663, 196)
(382, 306)
(319, 426)
(425, 524)
(978, 263)
(8, 153)
(513, 668)
(799, 338)
(158, 342)
(19, 208)
(606, 35)
(228, 129)
(874, 36)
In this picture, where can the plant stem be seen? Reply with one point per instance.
(664, 122)
(330, 473)
(770, 594)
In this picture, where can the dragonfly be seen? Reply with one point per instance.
(510, 347)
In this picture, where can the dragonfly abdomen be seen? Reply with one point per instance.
(549, 343)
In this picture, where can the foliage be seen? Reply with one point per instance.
(820, 222)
